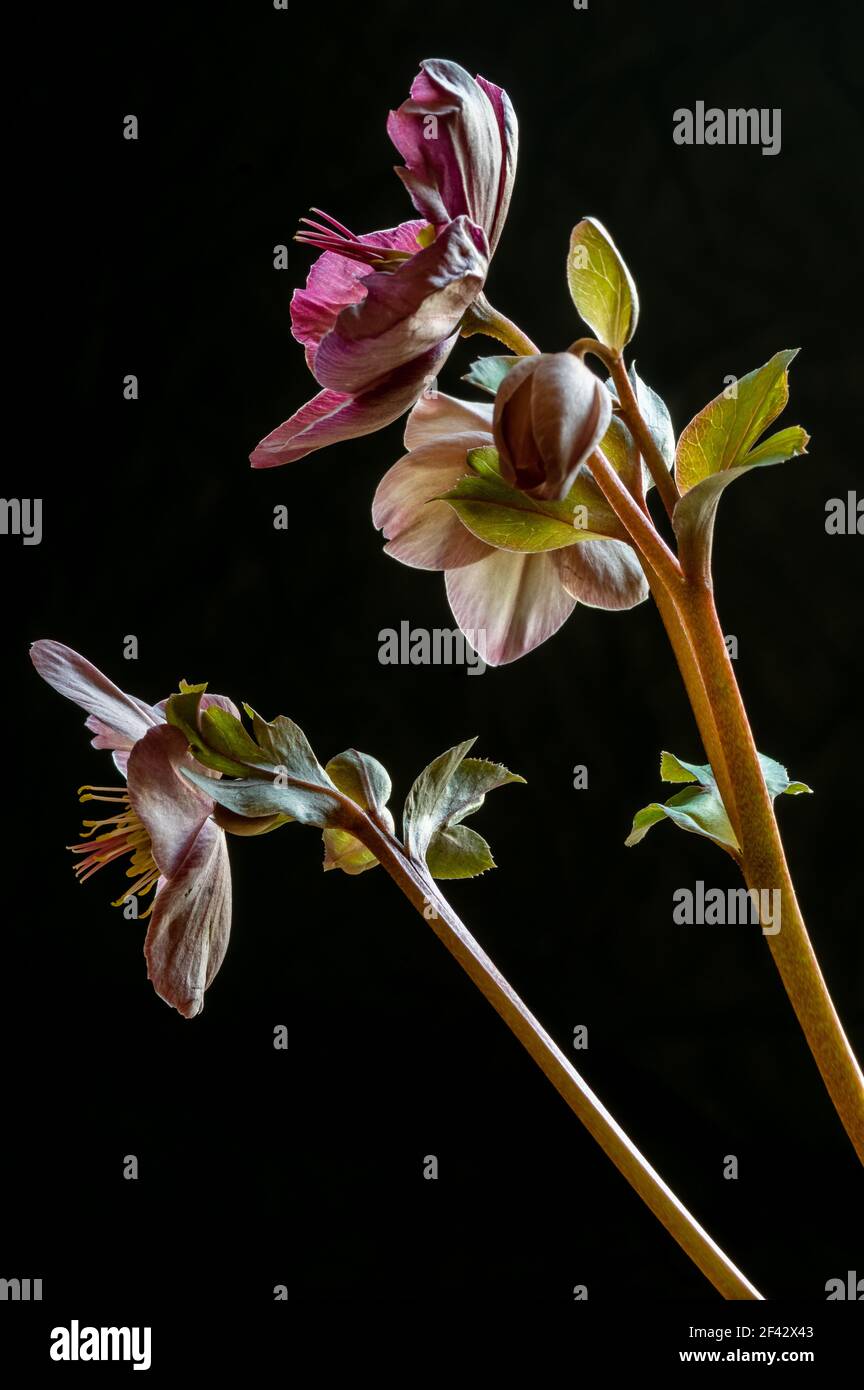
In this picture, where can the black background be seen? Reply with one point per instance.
(155, 257)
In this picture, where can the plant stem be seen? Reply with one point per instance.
(657, 466)
(636, 522)
(687, 608)
(422, 893)
(688, 665)
(483, 318)
(765, 867)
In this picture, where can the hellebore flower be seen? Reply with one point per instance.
(381, 312)
(459, 138)
(160, 822)
(507, 597)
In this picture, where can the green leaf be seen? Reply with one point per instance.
(183, 711)
(283, 795)
(777, 448)
(361, 777)
(449, 789)
(289, 782)
(511, 520)
(656, 416)
(457, 851)
(723, 433)
(225, 735)
(700, 808)
(485, 461)
(720, 445)
(694, 809)
(601, 285)
(489, 372)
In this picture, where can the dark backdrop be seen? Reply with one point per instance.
(155, 258)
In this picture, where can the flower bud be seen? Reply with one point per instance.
(550, 413)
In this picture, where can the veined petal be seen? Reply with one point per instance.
(332, 416)
(406, 313)
(169, 807)
(335, 281)
(117, 719)
(468, 168)
(190, 924)
(423, 533)
(508, 603)
(602, 574)
(437, 414)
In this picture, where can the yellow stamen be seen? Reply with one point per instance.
(122, 834)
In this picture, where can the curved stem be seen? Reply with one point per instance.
(422, 893)
(483, 318)
(765, 867)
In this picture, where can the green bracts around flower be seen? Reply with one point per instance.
(699, 808)
(273, 776)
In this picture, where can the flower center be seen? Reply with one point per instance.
(120, 834)
(341, 242)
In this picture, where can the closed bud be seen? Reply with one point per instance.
(550, 413)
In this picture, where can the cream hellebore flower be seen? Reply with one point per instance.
(159, 822)
(514, 565)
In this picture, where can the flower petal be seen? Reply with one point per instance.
(423, 533)
(602, 574)
(335, 281)
(437, 414)
(406, 313)
(469, 165)
(189, 927)
(116, 719)
(507, 604)
(332, 416)
(170, 808)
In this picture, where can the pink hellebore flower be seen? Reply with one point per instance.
(161, 822)
(505, 601)
(381, 312)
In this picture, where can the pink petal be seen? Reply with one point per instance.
(602, 574)
(436, 414)
(170, 808)
(116, 719)
(422, 533)
(332, 416)
(508, 604)
(468, 167)
(335, 281)
(188, 931)
(406, 313)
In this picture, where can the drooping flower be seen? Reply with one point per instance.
(507, 601)
(381, 312)
(159, 822)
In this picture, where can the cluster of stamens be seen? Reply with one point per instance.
(118, 835)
